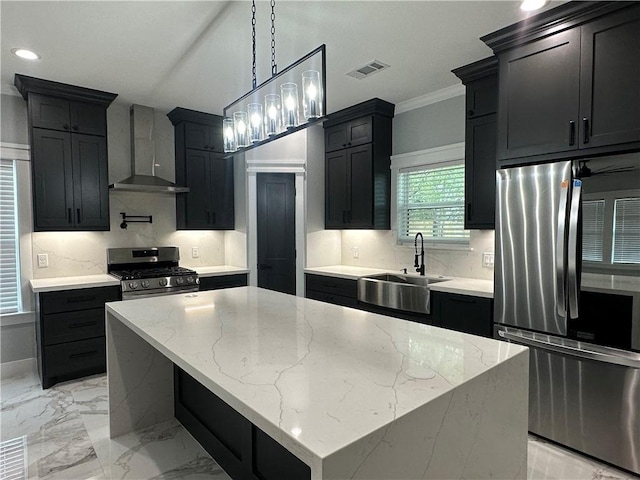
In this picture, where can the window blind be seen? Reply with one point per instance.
(626, 231)
(592, 230)
(431, 201)
(9, 272)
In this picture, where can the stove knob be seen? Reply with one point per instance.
(133, 285)
(179, 280)
(163, 282)
(145, 284)
(190, 279)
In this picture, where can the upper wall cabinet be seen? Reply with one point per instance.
(568, 82)
(202, 166)
(67, 130)
(357, 166)
(481, 82)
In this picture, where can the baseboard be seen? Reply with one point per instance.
(18, 367)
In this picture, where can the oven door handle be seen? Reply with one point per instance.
(595, 352)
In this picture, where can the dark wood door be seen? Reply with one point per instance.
(360, 185)
(196, 203)
(335, 138)
(359, 131)
(276, 232)
(480, 172)
(539, 97)
(610, 80)
(464, 313)
(481, 97)
(336, 189)
(200, 136)
(52, 174)
(49, 112)
(90, 182)
(87, 118)
(221, 207)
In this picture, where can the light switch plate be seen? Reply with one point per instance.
(43, 260)
(356, 252)
(195, 252)
(487, 259)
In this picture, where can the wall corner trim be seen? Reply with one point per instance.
(430, 98)
(14, 151)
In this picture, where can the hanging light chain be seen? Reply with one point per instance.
(253, 34)
(274, 67)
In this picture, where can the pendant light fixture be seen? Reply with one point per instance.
(289, 101)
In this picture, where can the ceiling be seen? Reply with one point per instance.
(197, 54)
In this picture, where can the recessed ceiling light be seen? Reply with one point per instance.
(24, 53)
(531, 5)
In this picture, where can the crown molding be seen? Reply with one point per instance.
(429, 98)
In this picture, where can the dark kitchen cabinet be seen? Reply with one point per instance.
(339, 291)
(357, 166)
(223, 281)
(70, 181)
(202, 166)
(481, 82)
(463, 313)
(70, 333)
(569, 82)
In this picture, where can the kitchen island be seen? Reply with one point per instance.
(347, 393)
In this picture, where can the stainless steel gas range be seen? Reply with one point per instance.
(152, 271)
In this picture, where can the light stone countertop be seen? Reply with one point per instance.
(318, 377)
(104, 280)
(595, 282)
(72, 283)
(463, 286)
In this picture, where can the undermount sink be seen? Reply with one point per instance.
(409, 293)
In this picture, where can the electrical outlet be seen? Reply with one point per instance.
(195, 252)
(356, 252)
(43, 260)
(487, 259)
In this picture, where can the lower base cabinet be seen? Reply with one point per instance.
(223, 281)
(70, 333)
(243, 450)
(339, 291)
(464, 313)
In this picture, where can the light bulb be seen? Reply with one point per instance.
(255, 120)
(229, 133)
(273, 112)
(531, 5)
(241, 127)
(290, 103)
(312, 91)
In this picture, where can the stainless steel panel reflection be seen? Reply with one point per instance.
(526, 222)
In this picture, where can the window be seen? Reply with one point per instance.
(9, 271)
(611, 229)
(431, 201)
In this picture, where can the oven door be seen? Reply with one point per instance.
(584, 396)
(168, 291)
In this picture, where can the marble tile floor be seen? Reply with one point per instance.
(62, 433)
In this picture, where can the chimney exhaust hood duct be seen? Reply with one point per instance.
(143, 162)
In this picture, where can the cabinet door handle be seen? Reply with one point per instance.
(206, 147)
(83, 354)
(75, 127)
(469, 211)
(470, 113)
(572, 132)
(69, 217)
(65, 126)
(82, 325)
(585, 125)
(78, 215)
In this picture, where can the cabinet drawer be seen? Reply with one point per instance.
(224, 281)
(71, 326)
(465, 313)
(69, 358)
(332, 298)
(81, 299)
(332, 285)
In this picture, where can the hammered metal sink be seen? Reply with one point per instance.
(409, 293)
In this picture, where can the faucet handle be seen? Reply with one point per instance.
(404, 270)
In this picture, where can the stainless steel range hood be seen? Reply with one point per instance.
(143, 178)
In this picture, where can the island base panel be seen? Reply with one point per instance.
(243, 450)
(140, 381)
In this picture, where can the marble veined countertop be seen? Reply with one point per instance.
(104, 280)
(464, 286)
(315, 376)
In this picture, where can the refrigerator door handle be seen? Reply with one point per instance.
(596, 353)
(572, 254)
(560, 250)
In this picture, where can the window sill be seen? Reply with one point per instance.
(438, 246)
(19, 318)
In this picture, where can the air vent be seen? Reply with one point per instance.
(369, 69)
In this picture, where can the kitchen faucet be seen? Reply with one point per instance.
(419, 268)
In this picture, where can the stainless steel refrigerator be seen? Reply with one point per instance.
(584, 344)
